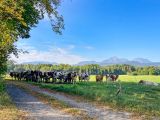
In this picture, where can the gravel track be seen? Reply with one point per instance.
(99, 113)
(35, 108)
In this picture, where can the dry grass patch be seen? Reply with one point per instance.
(12, 113)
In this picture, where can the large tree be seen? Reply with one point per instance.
(17, 17)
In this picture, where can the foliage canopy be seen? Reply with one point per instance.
(17, 17)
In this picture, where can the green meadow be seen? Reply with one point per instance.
(129, 78)
(139, 99)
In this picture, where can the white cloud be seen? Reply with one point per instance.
(57, 54)
(70, 47)
(89, 47)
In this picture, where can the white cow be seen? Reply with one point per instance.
(144, 82)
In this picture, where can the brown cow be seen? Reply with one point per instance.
(99, 78)
(112, 77)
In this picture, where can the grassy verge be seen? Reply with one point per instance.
(7, 110)
(54, 102)
(142, 100)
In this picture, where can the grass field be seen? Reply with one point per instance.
(7, 110)
(134, 97)
(128, 78)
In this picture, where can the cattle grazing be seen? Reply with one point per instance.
(83, 77)
(111, 77)
(47, 77)
(53, 76)
(144, 82)
(57, 76)
(99, 78)
(70, 77)
(60, 76)
(13, 75)
(73, 77)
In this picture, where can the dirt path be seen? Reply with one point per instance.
(99, 113)
(35, 109)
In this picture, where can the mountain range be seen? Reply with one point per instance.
(110, 61)
(116, 60)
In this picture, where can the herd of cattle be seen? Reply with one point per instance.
(58, 76)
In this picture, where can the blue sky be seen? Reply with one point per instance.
(97, 30)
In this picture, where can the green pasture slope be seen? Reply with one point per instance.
(134, 97)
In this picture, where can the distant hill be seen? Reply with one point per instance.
(142, 60)
(39, 62)
(116, 60)
(87, 62)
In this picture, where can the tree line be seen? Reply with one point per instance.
(92, 69)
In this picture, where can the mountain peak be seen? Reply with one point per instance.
(115, 60)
